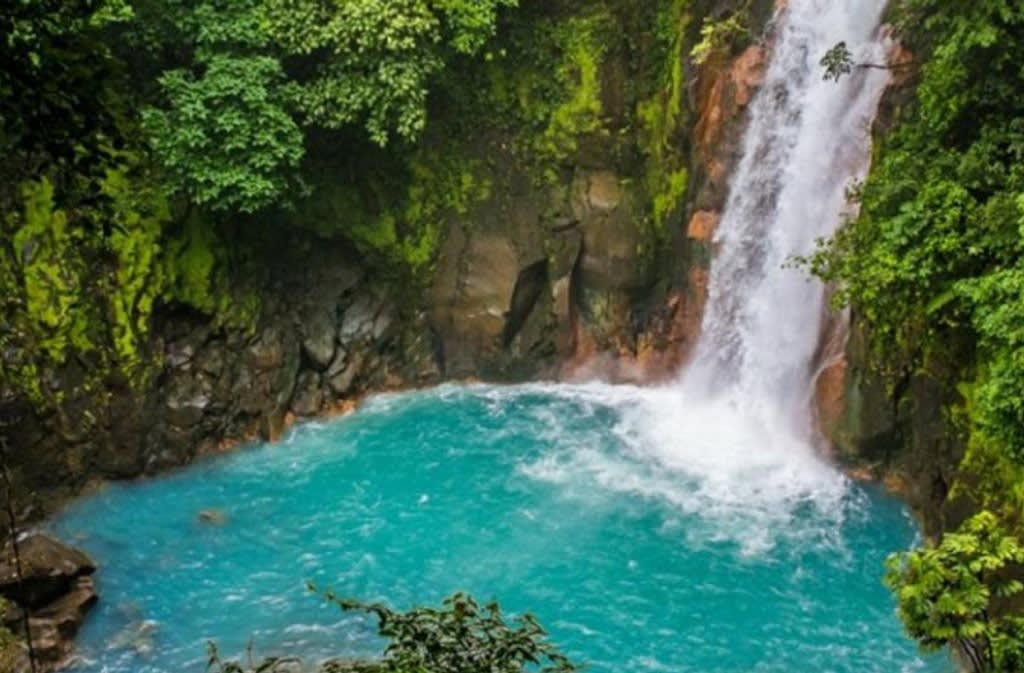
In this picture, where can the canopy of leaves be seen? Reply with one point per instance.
(373, 60)
(226, 139)
(256, 75)
(48, 50)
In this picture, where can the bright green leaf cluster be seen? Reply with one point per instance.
(951, 594)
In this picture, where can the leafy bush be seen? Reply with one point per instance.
(460, 637)
(955, 594)
(226, 139)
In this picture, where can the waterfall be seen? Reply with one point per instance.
(807, 142)
(731, 439)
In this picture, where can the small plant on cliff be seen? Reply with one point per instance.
(720, 34)
(955, 594)
(837, 61)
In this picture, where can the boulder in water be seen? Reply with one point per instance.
(55, 626)
(49, 570)
(55, 586)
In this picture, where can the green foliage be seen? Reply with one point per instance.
(192, 269)
(226, 140)
(54, 105)
(720, 34)
(837, 61)
(579, 111)
(375, 59)
(53, 276)
(139, 214)
(461, 637)
(541, 87)
(951, 594)
(662, 116)
(251, 79)
(402, 238)
(935, 261)
(934, 264)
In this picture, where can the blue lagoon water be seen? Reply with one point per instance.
(641, 543)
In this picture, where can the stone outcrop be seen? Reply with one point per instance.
(897, 431)
(49, 569)
(56, 590)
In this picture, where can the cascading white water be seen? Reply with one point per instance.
(807, 142)
(731, 438)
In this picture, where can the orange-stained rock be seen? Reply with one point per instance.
(708, 128)
(747, 74)
(900, 61)
(830, 395)
(724, 90)
(703, 225)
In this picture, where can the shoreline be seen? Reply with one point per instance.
(861, 473)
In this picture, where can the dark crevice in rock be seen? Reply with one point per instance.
(530, 284)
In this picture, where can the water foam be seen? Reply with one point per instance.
(702, 462)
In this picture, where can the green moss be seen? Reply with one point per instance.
(404, 238)
(542, 87)
(53, 274)
(721, 34)
(670, 195)
(195, 267)
(579, 112)
(81, 280)
(663, 118)
(140, 216)
(191, 267)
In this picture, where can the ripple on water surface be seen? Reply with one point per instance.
(648, 535)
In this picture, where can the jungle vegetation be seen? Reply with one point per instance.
(933, 267)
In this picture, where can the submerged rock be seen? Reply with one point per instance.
(139, 637)
(214, 517)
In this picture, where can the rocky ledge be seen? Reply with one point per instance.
(54, 589)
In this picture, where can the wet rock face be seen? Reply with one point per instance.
(55, 626)
(898, 431)
(56, 590)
